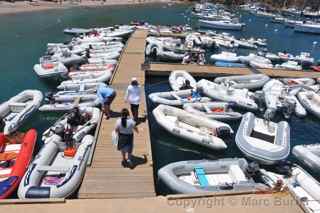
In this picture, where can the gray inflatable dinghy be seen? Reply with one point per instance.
(266, 142)
(252, 82)
(201, 176)
(308, 155)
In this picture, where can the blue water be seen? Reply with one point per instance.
(23, 39)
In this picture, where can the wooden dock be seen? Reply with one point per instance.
(278, 73)
(106, 178)
(162, 69)
(240, 203)
(108, 187)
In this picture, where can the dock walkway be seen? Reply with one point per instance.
(164, 69)
(106, 178)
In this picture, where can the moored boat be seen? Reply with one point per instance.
(15, 156)
(221, 24)
(307, 28)
(19, 108)
(241, 97)
(201, 176)
(176, 98)
(76, 31)
(214, 110)
(225, 57)
(263, 141)
(56, 173)
(178, 78)
(305, 189)
(85, 119)
(311, 102)
(309, 155)
(253, 81)
(193, 128)
(49, 70)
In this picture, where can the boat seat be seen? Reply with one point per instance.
(237, 174)
(10, 116)
(201, 176)
(54, 169)
(17, 106)
(13, 148)
(5, 172)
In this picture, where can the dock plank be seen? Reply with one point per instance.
(106, 178)
(161, 69)
(289, 73)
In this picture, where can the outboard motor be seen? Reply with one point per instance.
(288, 107)
(223, 132)
(154, 52)
(269, 114)
(49, 97)
(285, 168)
(59, 130)
(252, 169)
(232, 104)
(259, 99)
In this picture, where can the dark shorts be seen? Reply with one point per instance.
(125, 142)
(134, 107)
(110, 99)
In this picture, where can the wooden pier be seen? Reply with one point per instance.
(108, 187)
(278, 73)
(106, 178)
(164, 69)
(224, 203)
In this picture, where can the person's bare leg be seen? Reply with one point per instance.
(127, 156)
(123, 155)
(107, 110)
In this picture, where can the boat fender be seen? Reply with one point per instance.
(223, 131)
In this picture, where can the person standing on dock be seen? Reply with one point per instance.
(105, 95)
(132, 97)
(125, 127)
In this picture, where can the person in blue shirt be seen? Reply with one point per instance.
(105, 95)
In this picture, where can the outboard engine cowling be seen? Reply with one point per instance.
(288, 107)
(223, 132)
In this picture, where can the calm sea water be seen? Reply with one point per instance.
(23, 39)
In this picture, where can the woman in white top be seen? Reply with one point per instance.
(132, 96)
(125, 127)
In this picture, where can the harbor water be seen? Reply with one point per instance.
(23, 40)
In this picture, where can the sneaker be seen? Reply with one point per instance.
(130, 164)
(124, 164)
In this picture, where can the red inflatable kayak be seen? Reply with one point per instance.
(15, 156)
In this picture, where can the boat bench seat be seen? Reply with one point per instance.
(10, 116)
(54, 169)
(17, 107)
(237, 174)
(201, 176)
